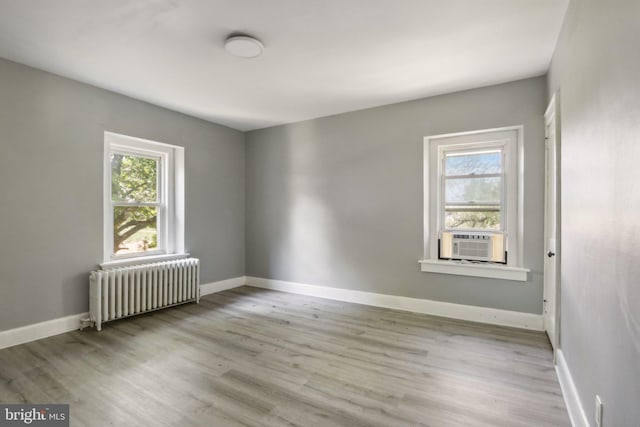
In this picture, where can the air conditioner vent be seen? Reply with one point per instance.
(472, 245)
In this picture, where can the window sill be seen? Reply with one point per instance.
(141, 260)
(462, 268)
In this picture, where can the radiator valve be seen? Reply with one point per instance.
(86, 323)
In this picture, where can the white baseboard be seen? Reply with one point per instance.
(492, 316)
(49, 328)
(37, 331)
(437, 308)
(222, 285)
(570, 393)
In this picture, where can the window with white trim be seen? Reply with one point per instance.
(143, 199)
(473, 221)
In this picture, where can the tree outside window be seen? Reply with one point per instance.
(136, 204)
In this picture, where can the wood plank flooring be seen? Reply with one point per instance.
(255, 357)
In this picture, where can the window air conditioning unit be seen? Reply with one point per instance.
(473, 246)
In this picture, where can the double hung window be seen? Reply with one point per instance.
(472, 183)
(142, 198)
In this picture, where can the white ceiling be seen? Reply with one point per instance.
(321, 57)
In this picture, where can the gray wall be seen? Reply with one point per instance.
(597, 69)
(51, 137)
(337, 201)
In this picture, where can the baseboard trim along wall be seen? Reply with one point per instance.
(492, 316)
(37, 331)
(222, 285)
(49, 328)
(436, 308)
(570, 392)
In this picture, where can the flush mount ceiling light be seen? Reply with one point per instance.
(243, 46)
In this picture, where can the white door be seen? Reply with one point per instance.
(551, 255)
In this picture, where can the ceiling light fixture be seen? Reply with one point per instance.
(243, 46)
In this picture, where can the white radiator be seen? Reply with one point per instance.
(120, 292)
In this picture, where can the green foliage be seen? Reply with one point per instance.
(486, 220)
(134, 179)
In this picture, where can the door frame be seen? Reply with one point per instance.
(552, 242)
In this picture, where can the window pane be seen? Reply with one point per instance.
(472, 219)
(473, 163)
(478, 190)
(133, 178)
(135, 229)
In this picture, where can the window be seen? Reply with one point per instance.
(473, 221)
(143, 199)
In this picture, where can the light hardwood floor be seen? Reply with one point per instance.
(254, 357)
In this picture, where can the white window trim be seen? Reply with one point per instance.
(172, 223)
(514, 269)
